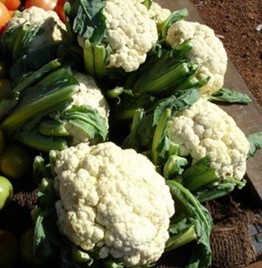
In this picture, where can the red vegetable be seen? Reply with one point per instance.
(4, 16)
(60, 10)
(11, 4)
(45, 4)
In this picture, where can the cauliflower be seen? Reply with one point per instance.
(44, 27)
(129, 33)
(208, 51)
(206, 130)
(88, 94)
(113, 200)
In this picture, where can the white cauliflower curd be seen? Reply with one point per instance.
(131, 33)
(208, 51)
(113, 200)
(90, 94)
(206, 130)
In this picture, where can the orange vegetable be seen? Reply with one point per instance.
(4, 16)
(45, 4)
(11, 4)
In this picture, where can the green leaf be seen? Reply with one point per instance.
(221, 189)
(26, 34)
(147, 3)
(8, 39)
(180, 101)
(199, 216)
(160, 144)
(17, 39)
(33, 77)
(231, 96)
(47, 237)
(33, 61)
(183, 235)
(87, 121)
(255, 143)
(89, 20)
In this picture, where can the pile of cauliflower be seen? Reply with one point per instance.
(114, 201)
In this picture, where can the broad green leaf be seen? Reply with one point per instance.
(255, 143)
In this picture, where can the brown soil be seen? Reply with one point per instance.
(238, 24)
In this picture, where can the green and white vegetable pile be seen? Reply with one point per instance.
(120, 109)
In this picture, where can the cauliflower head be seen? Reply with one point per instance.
(206, 130)
(131, 33)
(52, 29)
(88, 94)
(114, 200)
(208, 51)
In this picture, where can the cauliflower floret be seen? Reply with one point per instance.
(53, 30)
(158, 13)
(206, 130)
(208, 51)
(131, 33)
(88, 94)
(113, 199)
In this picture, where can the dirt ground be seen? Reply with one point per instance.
(239, 23)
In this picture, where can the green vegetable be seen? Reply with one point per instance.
(15, 161)
(6, 191)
